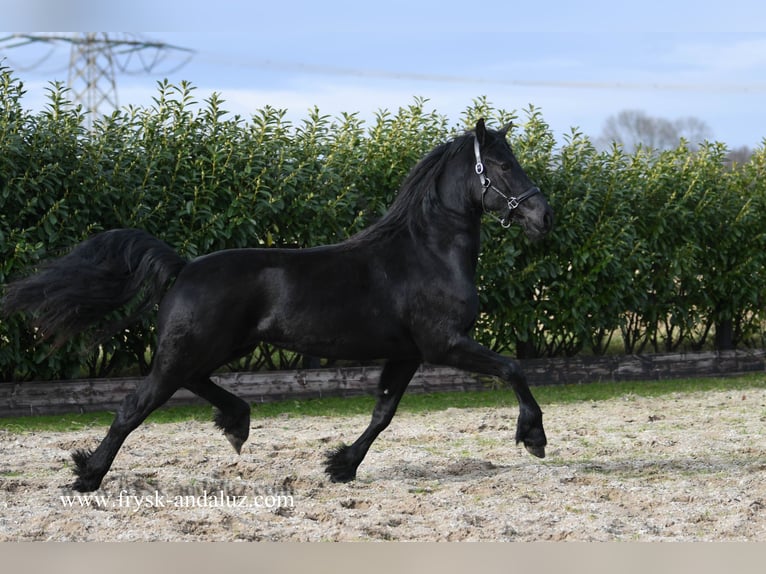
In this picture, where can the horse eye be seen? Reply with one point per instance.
(505, 166)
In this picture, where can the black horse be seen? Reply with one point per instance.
(401, 290)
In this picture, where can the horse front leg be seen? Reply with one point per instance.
(341, 464)
(469, 355)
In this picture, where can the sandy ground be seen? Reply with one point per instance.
(681, 467)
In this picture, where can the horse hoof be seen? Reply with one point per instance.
(235, 441)
(538, 451)
(81, 485)
(342, 477)
(86, 484)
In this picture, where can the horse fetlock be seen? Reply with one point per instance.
(341, 464)
(87, 479)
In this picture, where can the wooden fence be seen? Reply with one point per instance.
(59, 397)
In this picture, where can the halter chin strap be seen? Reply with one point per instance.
(486, 184)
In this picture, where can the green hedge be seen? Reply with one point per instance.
(652, 251)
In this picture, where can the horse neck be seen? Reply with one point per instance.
(449, 227)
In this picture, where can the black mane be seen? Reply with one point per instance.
(418, 199)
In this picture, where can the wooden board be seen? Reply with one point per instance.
(84, 395)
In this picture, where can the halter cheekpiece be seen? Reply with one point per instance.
(486, 184)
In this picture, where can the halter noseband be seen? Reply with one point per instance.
(486, 184)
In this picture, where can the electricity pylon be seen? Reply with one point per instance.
(95, 58)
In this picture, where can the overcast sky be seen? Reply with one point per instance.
(579, 61)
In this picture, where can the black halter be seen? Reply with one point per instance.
(486, 184)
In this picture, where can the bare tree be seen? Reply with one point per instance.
(634, 128)
(740, 155)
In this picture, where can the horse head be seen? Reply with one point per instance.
(503, 188)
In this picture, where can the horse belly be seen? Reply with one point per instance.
(338, 333)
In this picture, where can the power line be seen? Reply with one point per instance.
(321, 69)
(473, 80)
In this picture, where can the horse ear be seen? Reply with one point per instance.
(481, 131)
(505, 129)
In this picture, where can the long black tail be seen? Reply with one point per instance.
(122, 268)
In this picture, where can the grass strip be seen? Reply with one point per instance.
(413, 403)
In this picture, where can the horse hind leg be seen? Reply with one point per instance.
(92, 466)
(232, 414)
(341, 463)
